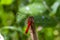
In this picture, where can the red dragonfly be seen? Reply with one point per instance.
(30, 20)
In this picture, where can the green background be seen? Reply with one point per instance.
(13, 15)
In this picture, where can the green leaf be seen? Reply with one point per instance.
(7, 19)
(6, 2)
(54, 8)
(33, 9)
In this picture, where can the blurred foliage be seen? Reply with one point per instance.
(14, 14)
